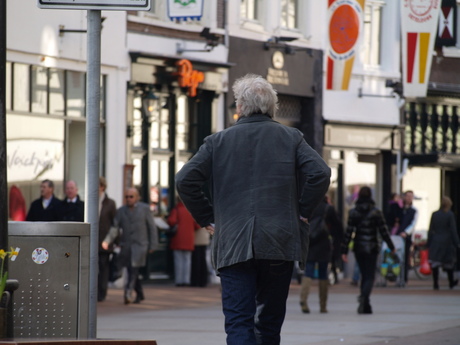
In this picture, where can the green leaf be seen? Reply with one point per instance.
(3, 283)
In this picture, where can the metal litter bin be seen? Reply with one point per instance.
(53, 273)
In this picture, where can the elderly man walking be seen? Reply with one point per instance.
(265, 181)
(139, 236)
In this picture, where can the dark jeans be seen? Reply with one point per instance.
(103, 275)
(254, 297)
(407, 248)
(367, 265)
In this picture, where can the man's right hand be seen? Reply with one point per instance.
(210, 229)
(105, 245)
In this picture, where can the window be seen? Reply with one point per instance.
(21, 87)
(75, 94)
(289, 14)
(371, 32)
(249, 9)
(43, 90)
(39, 89)
(56, 92)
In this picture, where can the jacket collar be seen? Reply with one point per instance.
(254, 118)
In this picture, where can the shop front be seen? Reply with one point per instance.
(173, 104)
(295, 73)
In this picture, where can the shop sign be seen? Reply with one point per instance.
(185, 9)
(188, 77)
(29, 160)
(419, 23)
(277, 75)
(345, 26)
(347, 136)
(119, 5)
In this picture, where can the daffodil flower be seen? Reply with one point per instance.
(4, 275)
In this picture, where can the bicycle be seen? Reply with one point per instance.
(418, 248)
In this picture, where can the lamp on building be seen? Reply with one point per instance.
(278, 42)
(212, 40)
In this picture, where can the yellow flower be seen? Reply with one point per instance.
(2, 254)
(12, 253)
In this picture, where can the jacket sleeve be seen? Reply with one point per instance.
(190, 181)
(351, 228)
(172, 218)
(453, 229)
(112, 234)
(314, 178)
(152, 229)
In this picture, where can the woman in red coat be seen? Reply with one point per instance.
(182, 243)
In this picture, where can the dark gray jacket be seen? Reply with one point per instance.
(262, 176)
(137, 234)
(443, 239)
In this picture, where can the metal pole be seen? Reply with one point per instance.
(93, 96)
(3, 165)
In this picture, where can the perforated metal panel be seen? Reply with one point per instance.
(52, 271)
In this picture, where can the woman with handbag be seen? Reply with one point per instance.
(182, 243)
(366, 221)
(443, 242)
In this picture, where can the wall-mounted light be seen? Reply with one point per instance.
(212, 40)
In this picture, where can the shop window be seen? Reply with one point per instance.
(137, 171)
(39, 85)
(75, 85)
(8, 86)
(21, 85)
(181, 125)
(164, 173)
(249, 9)
(137, 123)
(56, 92)
(289, 14)
(372, 32)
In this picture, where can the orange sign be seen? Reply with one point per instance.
(188, 77)
(345, 25)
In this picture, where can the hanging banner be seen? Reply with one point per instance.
(185, 9)
(447, 28)
(419, 24)
(345, 26)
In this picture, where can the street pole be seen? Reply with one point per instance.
(93, 97)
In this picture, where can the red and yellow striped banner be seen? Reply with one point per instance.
(345, 26)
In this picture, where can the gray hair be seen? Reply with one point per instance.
(254, 94)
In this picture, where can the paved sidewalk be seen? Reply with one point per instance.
(177, 316)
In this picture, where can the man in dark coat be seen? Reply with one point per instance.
(72, 208)
(265, 181)
(47, 208)
(107, 212)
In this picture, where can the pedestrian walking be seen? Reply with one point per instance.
(72, 208)
(183, 243)
(139, 236)
(265, 182)
(107, 213)
(409, 215)
(366, 222)
(319, 255)
(47, 208)
(443, 242)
